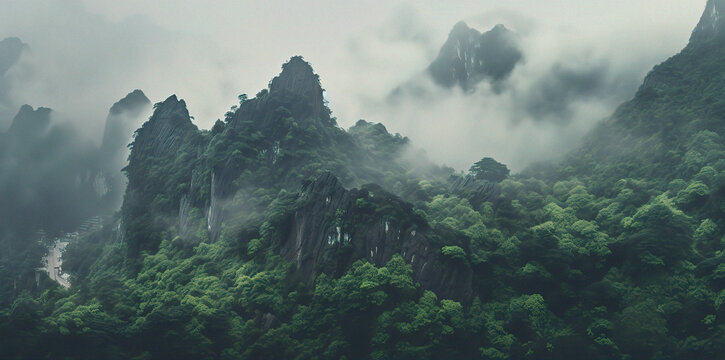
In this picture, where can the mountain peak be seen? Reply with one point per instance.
(30, 122)
(468, 56)
(298, 77)
(10, 50)
(172, 111)
(462, 29)
(133, 100)
(122, 120)
(711, 23)
(164, 131)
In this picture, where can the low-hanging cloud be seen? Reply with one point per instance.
(566, 84)
(581, 60)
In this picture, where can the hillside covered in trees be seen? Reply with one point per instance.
(277, 234)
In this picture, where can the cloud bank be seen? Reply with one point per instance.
(582, 59)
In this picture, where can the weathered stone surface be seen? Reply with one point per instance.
(298, 79)
(332, 230)
(712, 23)
(163, 133)
(476, 191)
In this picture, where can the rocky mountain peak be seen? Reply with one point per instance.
(29, 122)
(132, 101)
(711, 23)
(461, 31)
(298, 79)
(123, 119)
(163, 132)
(468, 56)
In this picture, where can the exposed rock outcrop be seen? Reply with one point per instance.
(476, 191)
(165, 130)
(712, 23)
(165, 151)
(299, 80)
(336, 227)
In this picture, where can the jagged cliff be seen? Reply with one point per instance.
(183, 179)
(711, 25)
(155, 190)
(334, 227)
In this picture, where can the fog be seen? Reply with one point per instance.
(581, 60)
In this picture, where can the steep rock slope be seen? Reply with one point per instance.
(207, 186)
(335, 227)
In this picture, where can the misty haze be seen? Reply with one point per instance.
(362, 179)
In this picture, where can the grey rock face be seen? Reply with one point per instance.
(707, 40)
(476, 191)
(299, 80)
(336, 227)
(468, 57)
(165, 130)
(711, 25)
(156, 148)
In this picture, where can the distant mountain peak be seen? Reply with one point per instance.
(30, 122)
(133, 100)
(10, 50)
(122, 120)
(711, 25)
(468, 56)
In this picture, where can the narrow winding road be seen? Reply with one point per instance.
(54, 261)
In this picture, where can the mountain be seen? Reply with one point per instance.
(286, 134)
(123, 119)
(10, 51)
(710, 27)
(466, 59)
(469, 57)
(54, 179)
(277, 234)
(677, 103)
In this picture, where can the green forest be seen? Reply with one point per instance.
(277, 234)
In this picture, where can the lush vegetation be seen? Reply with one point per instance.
(616, 253)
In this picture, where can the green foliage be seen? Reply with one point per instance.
(454, 252)
(616, 253)
(490, 170)
(659, 231)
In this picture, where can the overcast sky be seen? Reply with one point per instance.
(88, 54)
